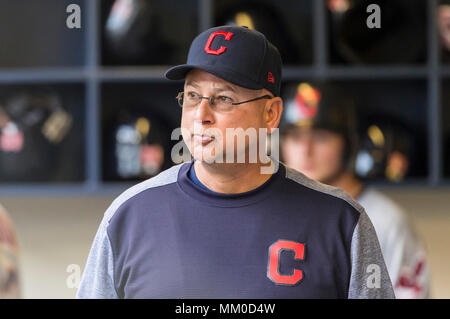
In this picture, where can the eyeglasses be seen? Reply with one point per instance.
(220, 103)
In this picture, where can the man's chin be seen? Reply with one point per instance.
(206, 155)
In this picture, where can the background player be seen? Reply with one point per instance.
(320, 140)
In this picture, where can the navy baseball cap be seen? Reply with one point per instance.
(235, 54)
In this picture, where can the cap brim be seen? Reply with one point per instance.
(179, 72)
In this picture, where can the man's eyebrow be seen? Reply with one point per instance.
(217, 89)
(192, 83)
(225, 88)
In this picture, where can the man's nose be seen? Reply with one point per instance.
(204, 111)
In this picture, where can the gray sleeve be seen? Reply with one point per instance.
(97, 281)
(98, 276)
(369, 275)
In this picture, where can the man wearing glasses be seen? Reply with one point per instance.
(226, 225)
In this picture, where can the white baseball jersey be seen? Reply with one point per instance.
(403, 250)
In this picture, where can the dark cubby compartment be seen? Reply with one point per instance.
(137, 122)
(150, 32)
(401, 38)
(35, 34)
(293, 20)
(42, 133)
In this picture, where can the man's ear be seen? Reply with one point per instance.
(272, 113)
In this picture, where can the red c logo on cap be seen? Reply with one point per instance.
(222, 49)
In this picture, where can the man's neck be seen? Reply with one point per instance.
(230, 178)
(349, 183)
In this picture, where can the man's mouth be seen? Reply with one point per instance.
(203, 139)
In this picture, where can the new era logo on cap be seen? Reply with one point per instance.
(236, 54)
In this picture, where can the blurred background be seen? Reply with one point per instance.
(85, 112)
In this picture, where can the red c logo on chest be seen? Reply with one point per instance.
(220, 50)
(275, 251)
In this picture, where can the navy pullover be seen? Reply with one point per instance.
(292, 237)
